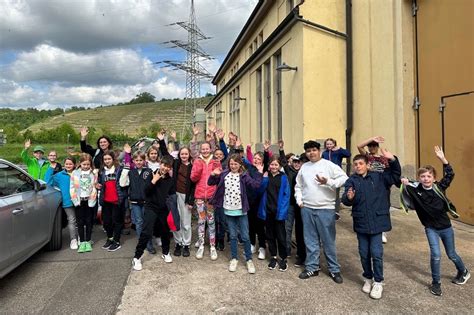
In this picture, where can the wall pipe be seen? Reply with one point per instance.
(349, 81)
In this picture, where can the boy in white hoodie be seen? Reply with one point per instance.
(315, 194)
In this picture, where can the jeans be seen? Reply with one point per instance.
(447, 236)
(84, 218)
(113, 217)
(154, 216)
(289, 228)
(371, 254)
(276, 236)
(221, 224)
(206, 214)
(137, 214)
(183, 236)
(71, 222)
(319, 225)
(239, 225)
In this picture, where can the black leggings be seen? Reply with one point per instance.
(154, 219)
(84, 220)
(113, 216)
(276, 234)
(256, 226)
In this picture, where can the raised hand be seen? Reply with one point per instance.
(321, 179)
(216, 172)
(27, 144)
(160, 135)
(211, 127)
(156, 177)
(335, 148)
(127, 148)
(196, 130)
(387, 154)
(266, 145)
(281, 144)
(378, 139)
(220, 134)
(84, 132)
(259, 168)
(209, 137)
(350, 193)
(405, 181)
(173, 135)
(238, 142)
(440, 154)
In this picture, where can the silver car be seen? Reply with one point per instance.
(30, 216)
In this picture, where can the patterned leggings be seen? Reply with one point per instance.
(206, 213)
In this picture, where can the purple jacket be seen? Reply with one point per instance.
(246, 182)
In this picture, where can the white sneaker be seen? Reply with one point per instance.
(200, 252)
(137, 264)
(261, 253)
(73, 244)
(367, 286)
(377, 289)
(197, 244)
(384, 238)
(250, 266)
(253, 249)
(233, 265)
(213, 253)
(167, 258)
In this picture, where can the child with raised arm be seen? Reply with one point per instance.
(84, 197)
(231, 196)
(366, 192)
(36, 165)
(428, 198)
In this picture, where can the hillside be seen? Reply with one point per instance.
(127, 119)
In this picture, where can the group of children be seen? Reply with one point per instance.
(251, 198)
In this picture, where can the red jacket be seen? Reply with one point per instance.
(200, 174)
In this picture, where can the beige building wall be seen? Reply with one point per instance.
(383, 77)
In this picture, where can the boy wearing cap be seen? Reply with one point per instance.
(36, 165)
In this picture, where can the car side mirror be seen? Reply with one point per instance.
(40, 185)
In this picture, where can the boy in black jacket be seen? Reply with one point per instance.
(159, 186)
(428, 198)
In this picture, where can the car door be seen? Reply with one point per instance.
(5, 231)
(28, 210)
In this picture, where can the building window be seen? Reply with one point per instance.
(268, 100)
(259, 106)
(234, 102)
(278, 112)
(219, 115)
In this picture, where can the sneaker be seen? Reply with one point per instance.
(384, 238)
(377, 289)
(73, 244)
(186, 252)
(200, 252)
(336, 277)
(273, 263)
(299, 263)
(115, 246)
(233, 265)
(167, 258)
(338, 216)
(282, 265)
(197, 244)
(88, 246)
(250, 266)
(261, 253)
(213, 253)
(367, 287)
(253, 249)
(108, 243)
(82, 247)
(177, 250)
(306, 274)
(462, 277)
(435, 289)
(137, 264)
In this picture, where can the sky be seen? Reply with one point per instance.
(63, 53)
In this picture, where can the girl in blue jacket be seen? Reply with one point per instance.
(274, 211)
(366, 192)
(62, 181)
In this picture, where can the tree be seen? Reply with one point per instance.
(143, 97)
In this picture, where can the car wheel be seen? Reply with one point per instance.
(56, 241)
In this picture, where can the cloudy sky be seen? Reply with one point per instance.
(61, 53)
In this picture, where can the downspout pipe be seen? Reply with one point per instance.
(349, 77)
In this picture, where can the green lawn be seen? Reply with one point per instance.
(11, 152)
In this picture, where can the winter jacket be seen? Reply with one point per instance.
(122, 192)
(62, 181)
(283, 199)
(371, 204)
(33, 167)
(156, 195)
(134, 182)
(336, 156)
(75, 188)
(200, 174)
(246, 183)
